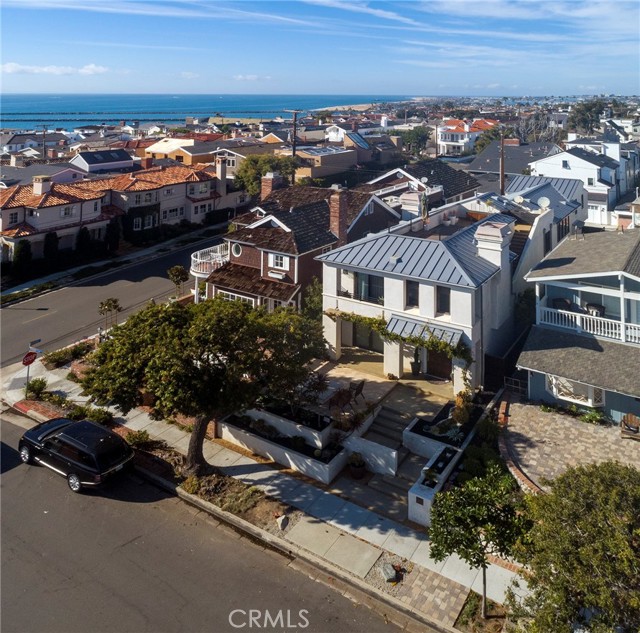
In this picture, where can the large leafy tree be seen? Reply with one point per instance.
(583, 552)
(203, 360)
(177, 276)
(22, 257)
(415, 140)
(585, 115)
(255, 166)
(477, 520)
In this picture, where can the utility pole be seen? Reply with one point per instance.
(44, 138)
(502, 162)
(295, 130)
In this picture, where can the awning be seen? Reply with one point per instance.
(401, 326)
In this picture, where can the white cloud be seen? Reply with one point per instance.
(362, 7)
(11, 68)
(185, 74)
(251, 77)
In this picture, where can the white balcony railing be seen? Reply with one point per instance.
(598, 326)
(206, 261)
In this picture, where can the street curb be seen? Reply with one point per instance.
(391, 609)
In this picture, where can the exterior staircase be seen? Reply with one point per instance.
(387, 428)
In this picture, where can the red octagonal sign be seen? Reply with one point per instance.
(29, 357)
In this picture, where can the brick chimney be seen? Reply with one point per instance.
(338, 214)
(41, 184)
(146, 162)
(270, 181)
(221, 175)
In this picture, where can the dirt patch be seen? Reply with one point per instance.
(403, 569)
(470, 620)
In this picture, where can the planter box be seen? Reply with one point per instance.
(313, 468)
(287, 427)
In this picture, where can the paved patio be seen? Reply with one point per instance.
(543, 445)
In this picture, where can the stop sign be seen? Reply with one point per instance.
(29, 357)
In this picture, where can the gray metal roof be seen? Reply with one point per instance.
(568, 188)
(597, 252)
(558, 203)
(604, 364)
(452, 261)
(404, 327)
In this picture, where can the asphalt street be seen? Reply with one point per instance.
(66, 315)
(131, 558)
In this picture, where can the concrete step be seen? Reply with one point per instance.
(391, 425)
(393, 414)
(392, 434)
(384, 440)
(379, 484)
(411, 467)
(396, 482)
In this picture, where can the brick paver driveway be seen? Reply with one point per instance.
(543, 445)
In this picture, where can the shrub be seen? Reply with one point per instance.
(138, 438)
(191, 485)
(488, 430)
(64, 356)
(35, 388)
(77, 412)
(101, 416)
(592, 417)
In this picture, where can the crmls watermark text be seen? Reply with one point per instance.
(258, 619)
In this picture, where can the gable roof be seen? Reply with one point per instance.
(600, 160)
(516, 157)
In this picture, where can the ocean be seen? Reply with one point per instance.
(31, 111)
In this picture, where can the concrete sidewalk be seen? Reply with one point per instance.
(340, 532)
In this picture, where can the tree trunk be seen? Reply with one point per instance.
(484, 592)
(195, 459)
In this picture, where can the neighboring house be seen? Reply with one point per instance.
(598, 172)
(236, 150)
(517, 157)
(167, 147)
(20, 174)
(320, 162)
(143, 201)
(457, 137)
(270, 259)
(14, 142)
(374, 149)
(31, 211)
(405, 187)
(336, 133)
(103, 161)
(585, 346)
(456, 290)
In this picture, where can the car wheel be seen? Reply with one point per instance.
(25, 454)
(74, 482)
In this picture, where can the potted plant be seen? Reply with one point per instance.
(415, 363)
(357, 466)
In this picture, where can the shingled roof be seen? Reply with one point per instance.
(244, 279)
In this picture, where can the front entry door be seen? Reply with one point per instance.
(439, 365)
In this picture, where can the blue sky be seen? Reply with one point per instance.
(431, 47)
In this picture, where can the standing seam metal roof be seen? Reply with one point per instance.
(408, 327)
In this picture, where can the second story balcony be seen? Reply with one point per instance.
(204, 262)
(613, 329)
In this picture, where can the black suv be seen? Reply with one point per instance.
(83, 452)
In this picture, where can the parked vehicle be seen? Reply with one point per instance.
(83, 452)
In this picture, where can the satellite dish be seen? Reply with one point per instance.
(518, 199)
(544, 202)
(424, 180)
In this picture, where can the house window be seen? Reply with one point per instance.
(573, 391)
(148, 221)
(231, 162)
(13, 217)
(66, 212)
(370, 288)
(232, 296)
(565, 164)
(173, 213)
(547, 240)
(181, 212)
(278, 261)
(192, 189)
(236, 250)
(95, 207)
(32, 213)
(590, 182)
(137, 224)
(443, 300)
(412, 289)
(138, 199)
(368, 210)
(326, 249)
(204, 187)
(168, 192)
(148, 197)
(165, 214)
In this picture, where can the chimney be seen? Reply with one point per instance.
(338, 214)
(354, 126)
(270, 181)
(16, 160)
(41, 185)
(492, 241)
(221, 175)
(146, 162)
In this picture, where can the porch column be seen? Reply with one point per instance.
(333, 335)
(537, 302)
(623, 324)
(196, 295)
(393, 353)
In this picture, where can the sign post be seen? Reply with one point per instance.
(29, 358)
